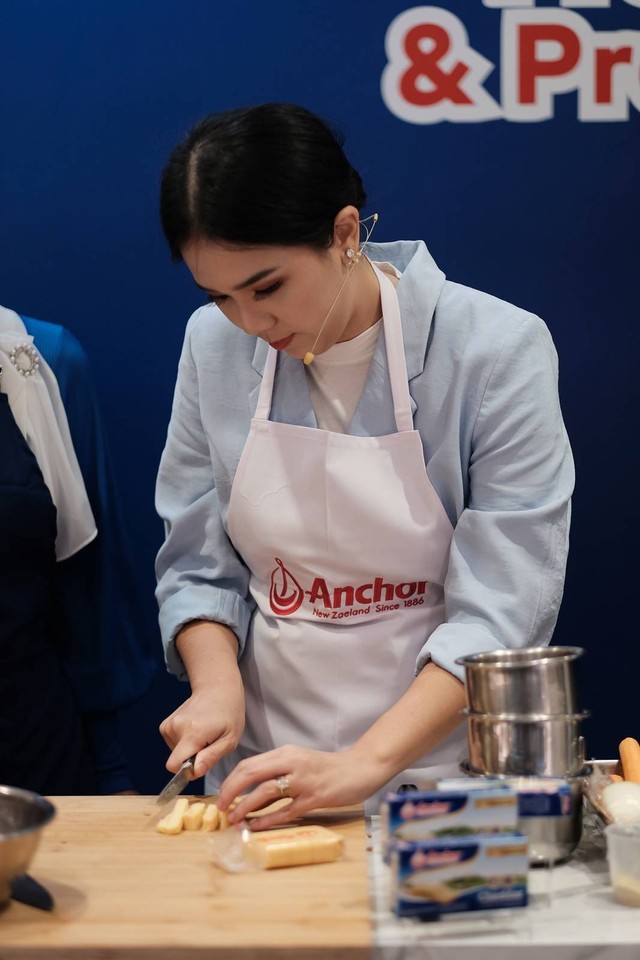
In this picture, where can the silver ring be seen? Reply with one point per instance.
(282, 784)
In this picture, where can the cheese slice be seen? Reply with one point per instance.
(293, 846)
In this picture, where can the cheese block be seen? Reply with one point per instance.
(193, 816)
(173, 821)
(293, 846)
(210, 817)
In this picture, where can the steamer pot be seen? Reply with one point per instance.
(540, 680)
(526, 745)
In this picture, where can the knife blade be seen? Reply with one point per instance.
(177, 784)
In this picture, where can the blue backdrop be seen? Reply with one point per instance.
(505, 134)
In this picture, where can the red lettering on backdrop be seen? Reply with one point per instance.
(286, 596)
(605, 62)
(530, 35)
(425, 64)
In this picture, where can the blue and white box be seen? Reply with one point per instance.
(482, 872)
(434, 813)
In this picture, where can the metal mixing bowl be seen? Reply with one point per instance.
(530, 680)
(523, 745)
(23, 815)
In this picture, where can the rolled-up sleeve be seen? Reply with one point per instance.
(199, 574)
(508, 554)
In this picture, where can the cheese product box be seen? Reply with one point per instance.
(536, 796)
(549, 812)
(430, 878)
(434, 813)
(544, 797)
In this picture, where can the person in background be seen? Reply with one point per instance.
(366, 477)
(71, 645)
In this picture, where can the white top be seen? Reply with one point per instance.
(337, 377)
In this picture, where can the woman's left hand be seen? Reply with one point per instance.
(311, 778)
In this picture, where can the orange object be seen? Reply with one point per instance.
(617, 778)
(630, 759)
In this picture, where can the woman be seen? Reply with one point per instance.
(70, 655)
(317, 583)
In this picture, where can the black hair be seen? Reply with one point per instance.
(270, 174)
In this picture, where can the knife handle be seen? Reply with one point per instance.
(189, 762)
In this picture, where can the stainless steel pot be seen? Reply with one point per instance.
(525, 745)
(538, 680)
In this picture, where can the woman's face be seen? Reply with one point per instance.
(282, 294)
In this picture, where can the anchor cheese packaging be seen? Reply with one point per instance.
(433, 813)
(535, 796)
(481, 872)
(454, 847)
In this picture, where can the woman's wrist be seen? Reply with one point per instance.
(428, 712)
(209, 652)
(371, 769)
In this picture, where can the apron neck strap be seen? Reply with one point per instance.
(394, 343)
(396, 361)
(263, 406)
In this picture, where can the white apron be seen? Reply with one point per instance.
(348, 544)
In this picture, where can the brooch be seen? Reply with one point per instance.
(25, 359)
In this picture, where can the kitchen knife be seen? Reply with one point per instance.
(177, 784)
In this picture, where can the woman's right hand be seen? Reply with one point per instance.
(210, 723)
(207, 724)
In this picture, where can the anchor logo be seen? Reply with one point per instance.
(286, 594)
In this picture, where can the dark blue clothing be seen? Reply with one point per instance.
(96, 626)
(42, 741)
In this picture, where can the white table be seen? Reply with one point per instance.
(571, 916)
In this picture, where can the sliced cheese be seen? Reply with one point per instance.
(293, 846)
(193, 816)
(173, 821)
(211, 817)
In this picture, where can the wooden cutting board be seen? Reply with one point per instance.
(122, 890)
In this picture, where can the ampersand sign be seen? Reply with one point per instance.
(446, 86)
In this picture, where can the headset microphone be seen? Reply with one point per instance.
(310, 356)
